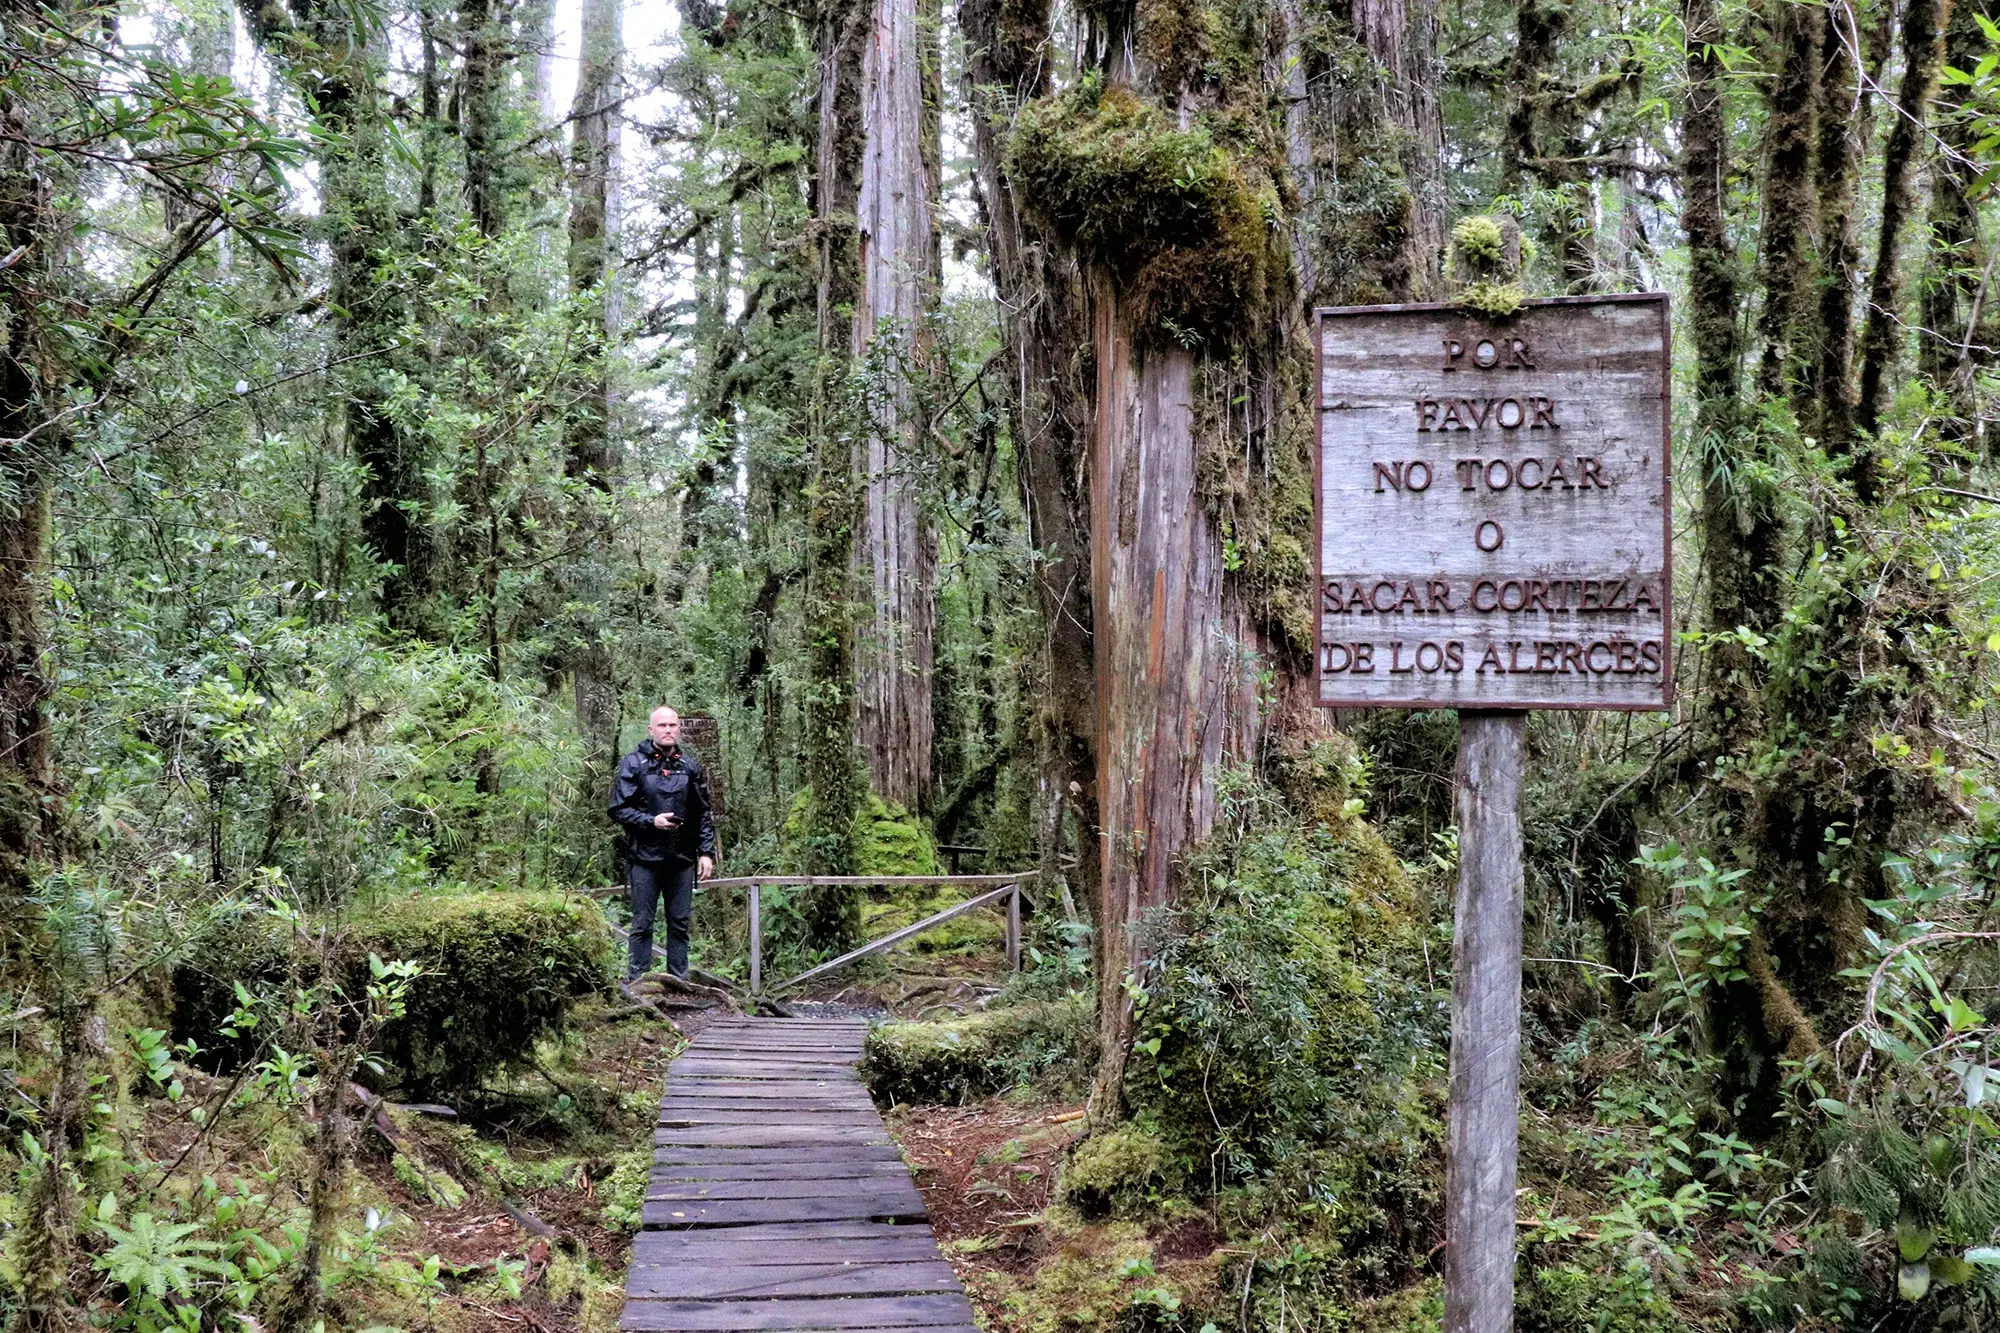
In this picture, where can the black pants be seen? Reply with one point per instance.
(650, 882)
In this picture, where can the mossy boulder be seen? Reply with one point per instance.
(1051, 1043)
(501, 971)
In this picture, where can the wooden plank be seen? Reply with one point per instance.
(669, 1214)
(677, 1281)
(831, 1174)
(771, 1233)
(767, 1115)
(664, 1187)
(1485, 1099)
(770, 1136)
(830, 881)
(645, 1316)
(897, 936)
(778, 1253)
(753, 1065)
(775, 1108)
(695, 1154)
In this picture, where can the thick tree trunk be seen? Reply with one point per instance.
(897, 550)
(1173, 695)
(590, 453)
(1042, 322)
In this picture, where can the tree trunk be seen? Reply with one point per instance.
(1042, 318)
(1881, 334)
(1787, 276)
(1836, 163)
(897, 550)
(1166, 645)
(833, 916)
(590, 456)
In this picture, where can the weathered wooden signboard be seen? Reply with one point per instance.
(1492, 498)
(1493, 537)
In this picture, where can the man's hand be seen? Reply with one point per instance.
(705, 868)
(665, 820)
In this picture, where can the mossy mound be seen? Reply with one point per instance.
(889, 840)
(501, 972)
(967, 1058)
(1184, 216)
(1115, 1173)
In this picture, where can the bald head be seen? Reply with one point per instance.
(664, 726)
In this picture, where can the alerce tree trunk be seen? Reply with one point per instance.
(897, 551)
(1173, 691)
(590, 458)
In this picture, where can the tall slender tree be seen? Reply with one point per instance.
(895, 548)
(590, 459)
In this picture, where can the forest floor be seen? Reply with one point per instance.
(514, 1212)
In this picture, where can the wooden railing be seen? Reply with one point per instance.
(1005, 887)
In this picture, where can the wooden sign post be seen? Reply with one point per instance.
(1494, 536)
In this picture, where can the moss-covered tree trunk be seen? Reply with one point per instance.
(897, 551)
(1043, 323)
(832, 505)
(590, 459)
(1922, 39)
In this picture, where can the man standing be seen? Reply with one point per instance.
(660, 797)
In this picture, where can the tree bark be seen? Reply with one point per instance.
(897, 549)
(833, 916)
(1836, 164)
(1787, 276)
(590, 460)
(1043, 326)
(1162, 655)
(1881, 333)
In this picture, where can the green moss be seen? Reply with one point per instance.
(1115, 1173)
(1487, 257)
(501, 972)
(1495, 300)
(1479, 240)
(1184, 216)
(966, 1058)
(428, 1183)
(889, 840)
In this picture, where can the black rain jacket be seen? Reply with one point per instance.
(653, 781)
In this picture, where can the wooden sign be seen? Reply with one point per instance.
(1492, 495)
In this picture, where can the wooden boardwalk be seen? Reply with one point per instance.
(777, 1200)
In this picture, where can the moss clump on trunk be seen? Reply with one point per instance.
(1185, 216)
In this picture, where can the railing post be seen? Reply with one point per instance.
(756, 944)
(1014, 928)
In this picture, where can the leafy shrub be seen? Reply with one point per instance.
(1052, 1042)
(500, 972)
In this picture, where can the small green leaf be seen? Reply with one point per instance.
(1913, 1282)
(1912, 1241)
